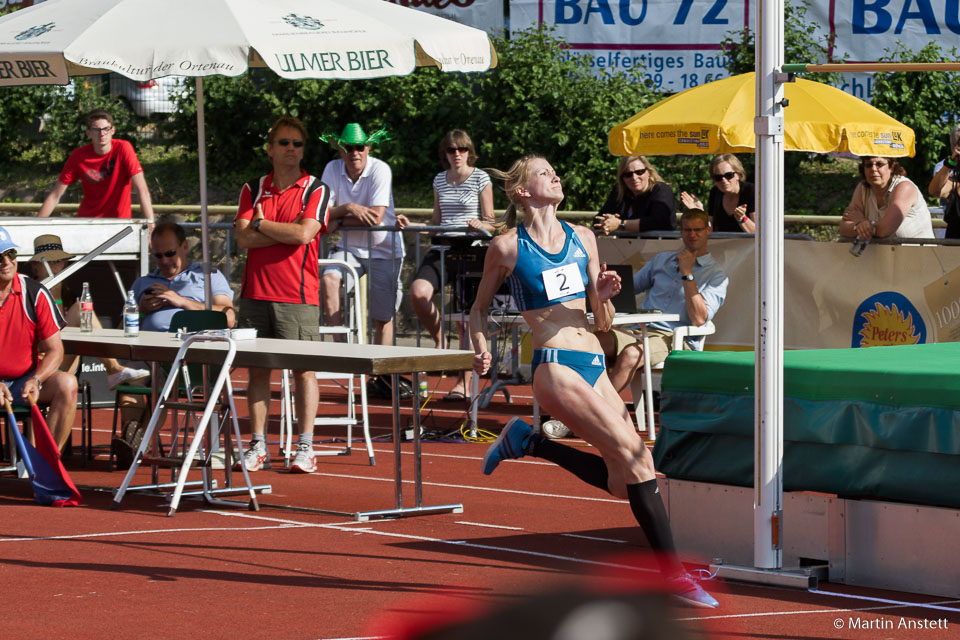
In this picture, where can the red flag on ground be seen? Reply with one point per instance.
(51, 483)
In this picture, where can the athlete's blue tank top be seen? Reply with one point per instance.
(533, 263)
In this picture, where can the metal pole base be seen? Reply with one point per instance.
(799, 578)
(407, 512)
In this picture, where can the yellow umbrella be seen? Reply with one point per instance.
(718, 118)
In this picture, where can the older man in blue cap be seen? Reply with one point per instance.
(363, 197)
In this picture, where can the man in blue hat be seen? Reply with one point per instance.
(362, 196)
(30, 324)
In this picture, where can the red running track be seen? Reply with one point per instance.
(288, 573)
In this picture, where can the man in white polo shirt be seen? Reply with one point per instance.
(362, 196)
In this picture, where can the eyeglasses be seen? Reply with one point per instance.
(100, 130)
(165, 254)
(353, 148)
(285, 141)
(10, 254)
(879, 164)
(693, 229)
(636, 172)
(453, 150)
(717, 177)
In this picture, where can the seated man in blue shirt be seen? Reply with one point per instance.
(177, 283)
(687, 282)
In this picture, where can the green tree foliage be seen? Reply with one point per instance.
(537, 100)
(928, 103)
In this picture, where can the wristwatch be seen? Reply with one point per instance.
(39, 384)
(256, 224)
(689, 277)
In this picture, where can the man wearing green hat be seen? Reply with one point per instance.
(362, 196)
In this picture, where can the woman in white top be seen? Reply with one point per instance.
(462, 197)
(885, 203)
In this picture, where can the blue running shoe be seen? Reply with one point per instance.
(509, 445)
(686, 588)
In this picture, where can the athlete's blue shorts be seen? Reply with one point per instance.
(588, 365)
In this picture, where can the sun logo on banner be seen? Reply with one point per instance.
(885, 319)
(34, 32)
(302, 22)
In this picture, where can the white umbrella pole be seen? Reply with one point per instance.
(204, 231)
(768, 371)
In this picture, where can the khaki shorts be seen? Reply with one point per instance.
(284, 320)
(660, 341)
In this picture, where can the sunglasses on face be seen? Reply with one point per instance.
(165, 254)
(10, 254)
(636, 172)
(717, 177)
(353, 148)
(285, 141)
(878, 165)
(453, 150)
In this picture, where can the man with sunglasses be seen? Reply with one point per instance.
(105, 168)
(30, 324)
(363, 197)
(687, 282)
(278, 222)
(177, 283)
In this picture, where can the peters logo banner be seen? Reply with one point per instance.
(33, 68)
(886, 319)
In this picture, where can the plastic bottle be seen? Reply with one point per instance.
(857, 247)
(424, 389)
(86, 309)
(131, 317)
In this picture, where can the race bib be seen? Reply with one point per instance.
(562, 281)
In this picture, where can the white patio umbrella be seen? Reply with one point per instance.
(146, 39)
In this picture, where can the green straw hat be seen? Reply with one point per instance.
(353, 133)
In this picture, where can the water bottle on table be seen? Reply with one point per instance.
(86, 309)
(131, 317)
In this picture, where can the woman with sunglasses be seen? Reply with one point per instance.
(641, 201)
(885, 203)
(552, 269)
(462, 197)
(731, 202)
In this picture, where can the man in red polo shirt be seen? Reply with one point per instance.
(278, 222)
(30, 322)
(105, 168)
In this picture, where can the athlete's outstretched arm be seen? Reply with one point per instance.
(499, 261)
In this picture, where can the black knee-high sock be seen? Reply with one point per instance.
(586, 466)
(647, 507)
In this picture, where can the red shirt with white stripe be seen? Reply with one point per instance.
(21, 336)
(285, 272)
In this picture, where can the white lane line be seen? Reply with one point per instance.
(576, 535)
(471, 487)
(898, 603)
(491, 526)
(78, 536)
(905, 605)
(456, 543)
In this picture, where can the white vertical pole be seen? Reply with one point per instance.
(768, 376)
(204, 230)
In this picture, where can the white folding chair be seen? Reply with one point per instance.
(353, 331)
(642, 396)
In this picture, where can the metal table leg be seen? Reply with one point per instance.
(419, 510)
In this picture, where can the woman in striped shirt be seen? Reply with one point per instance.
(462, 198)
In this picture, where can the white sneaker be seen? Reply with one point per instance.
(256, 457)
(126, 375)
(304, 461)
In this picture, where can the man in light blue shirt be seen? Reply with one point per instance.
(176, 283)
(687, 282)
